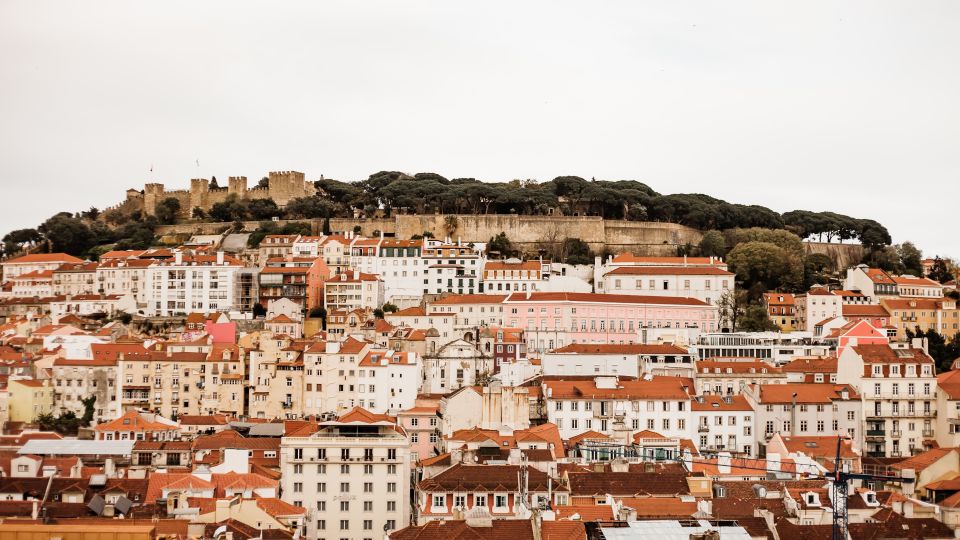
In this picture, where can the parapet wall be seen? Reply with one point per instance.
(526, 232)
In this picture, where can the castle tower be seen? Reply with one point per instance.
(288, 185)
(237, 185)
(199, 188)
(152, 194)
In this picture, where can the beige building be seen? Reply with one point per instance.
(74, 279)
(276, 378)
(76, 380)
(940, 315)
(28, 399)
(352, 290)
(948, 409)
(898, 385)
(352, 475)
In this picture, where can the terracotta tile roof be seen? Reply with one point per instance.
(442, 459)
(44, 258)
(515, 529)
(504, 265)
(625, 258)
(628, 484)
(486, 478)
(773, 299)
(879, 276)
(359, 414)
(660, 507)
(914, 281)
(864, 310)
(612, 348)
(576, 439)
(657, 388)
(232, 439)
(603, 298)
(738, 366)
(806, 393)
(923, 460)
(714, 402)
(884, 354)
(887, 524)
(823, 447)
(133, 421)
(949, 382)
(668, 271)
(811, 364)
(415, 311)
(930, 304)
(203, 420)
(458, 299)
(278, 508)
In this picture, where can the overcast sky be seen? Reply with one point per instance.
(846, 106)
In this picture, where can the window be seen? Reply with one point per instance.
(368, 506)
(500, 502)
(368, 487)
(297, 487)
(439, 501)
(344, 487)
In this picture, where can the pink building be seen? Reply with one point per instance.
(420, 423)
(554, 319)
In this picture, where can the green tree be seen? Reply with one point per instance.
(259, 311)
(88, 403)
(755, 319)
(67, 234)
(818, 268)
(501, 244)
(168, 210)
(760, 263)
(309, 208)
(713, 244)
(198, 213)
(390, 308)
(576, 251)
(730, 307)
(910, 259)
(264, 182)
(939, 272)
(231, 209)
(262, 209)
(19, 239)
(378, 313)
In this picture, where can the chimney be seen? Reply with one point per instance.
(219, 258)
(178, 257)
(356, 274)
(332, 347)
(723, 463)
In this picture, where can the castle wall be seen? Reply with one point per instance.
(844, 255)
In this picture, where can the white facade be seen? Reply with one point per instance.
(661, 405)
(353, 290)
(352, 476)
(186, 284)
(704, 283)
(725, 423)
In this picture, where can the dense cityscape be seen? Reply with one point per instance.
(412, 357)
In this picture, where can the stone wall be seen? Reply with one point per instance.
(283, 187)
(843, 255)
(527, 232)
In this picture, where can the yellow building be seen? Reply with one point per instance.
(782, 310)
(939, 314)
(29, 398)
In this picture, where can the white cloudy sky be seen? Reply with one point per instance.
(821, 105)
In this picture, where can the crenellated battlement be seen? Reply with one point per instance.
(283, 186)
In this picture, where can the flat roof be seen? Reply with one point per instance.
(674, 530)
(74, 447)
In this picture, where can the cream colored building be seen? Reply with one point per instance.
(276, 378)
(352, 476)
(28, 399)
(352, 290)
(74, 279)
(76, 380)
(898, 385)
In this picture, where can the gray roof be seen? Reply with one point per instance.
(74, 447)
(234, 243)
(672, 530)
(272, 429)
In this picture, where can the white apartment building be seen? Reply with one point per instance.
(513, 275)
(917, 287)
(36, 262)
(342, 375)
(125, 276)
(76, 380)
(872, 282)
(74, 279)
(399, 263)
(769, 346)
(191, 283)
(898, 383)
(725, 424)
(352, 476)
(660, 404)
(704, 283)
(815, 306)
(452, 365)
(353, 290)
(730, 376)
(629, 360)
(454, 268)
(804, 409)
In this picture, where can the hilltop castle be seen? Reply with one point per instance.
(282, 187)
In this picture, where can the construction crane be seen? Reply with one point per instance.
(841, 479)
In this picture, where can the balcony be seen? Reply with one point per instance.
(703, 429)
(896, 434)
(876, 433)
(928, 433)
